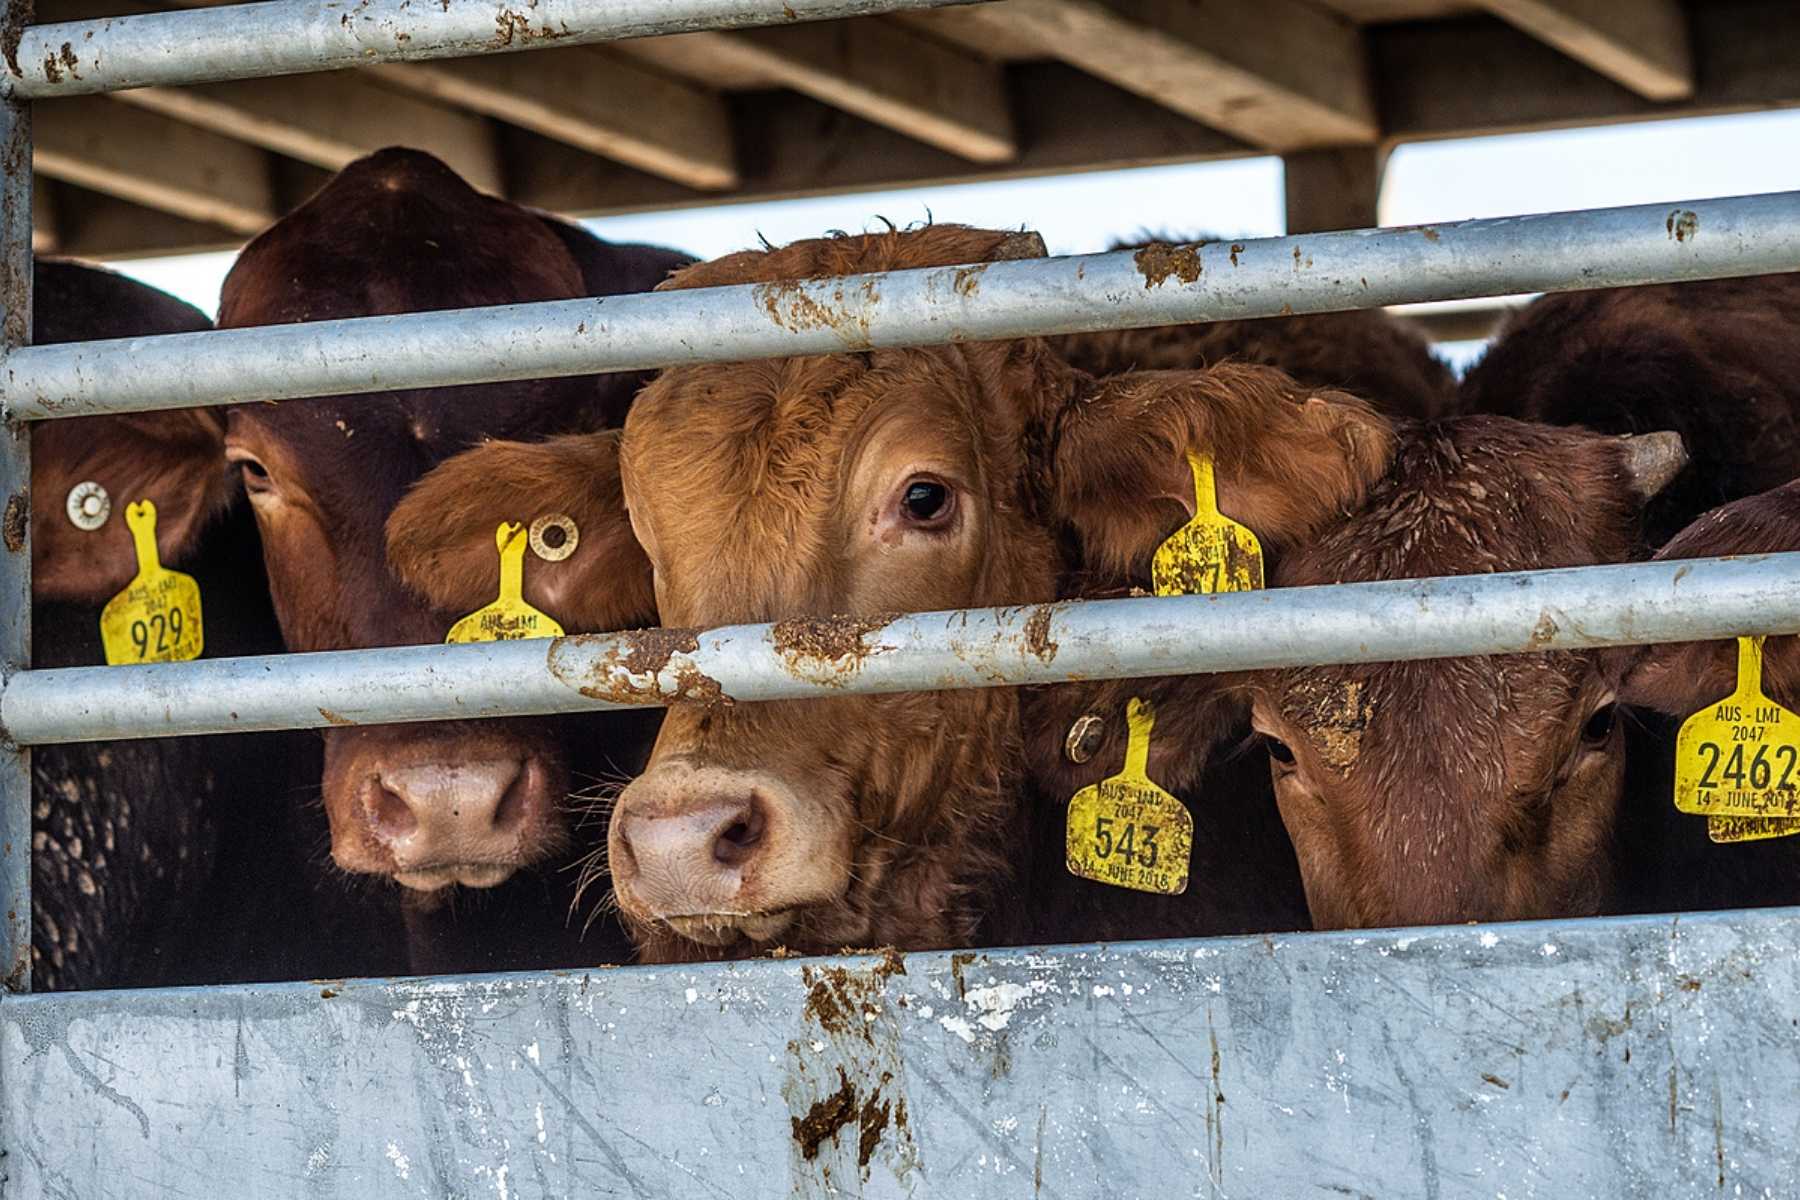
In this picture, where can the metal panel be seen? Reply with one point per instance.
(287, 37)
(1627, 1058)
(1744, 235)
(1524, 611)
(15, 528)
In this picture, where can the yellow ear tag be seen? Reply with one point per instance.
(1740, 757)
(1750, 829)
(1211, 553)
(1125, 830)
(508, 618)
(157, 617)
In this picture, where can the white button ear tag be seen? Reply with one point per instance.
(554, 548)
(88, 505)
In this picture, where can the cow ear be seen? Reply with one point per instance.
(175, 459)
(440, 537)
(1683, 678)
(1287, 458)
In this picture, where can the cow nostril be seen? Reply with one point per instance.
(392, 817)
(516, 800)
(737, 842)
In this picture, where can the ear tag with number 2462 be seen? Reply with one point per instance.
(1211, 553)
(1738, 761)
(508, 618)
(1125, 830)
(157, 617)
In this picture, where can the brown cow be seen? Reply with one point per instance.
(437, 805)
(918, 479)
(1716, 361)
(1666, 860)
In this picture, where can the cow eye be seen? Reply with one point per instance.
(255, 475)
(1599, 726)
(1279, 750)
(927, 502)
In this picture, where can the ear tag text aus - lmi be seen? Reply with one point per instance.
(157, 617)
(508, 618)
(1740, 757)
(1125, 830)
(1211, 553)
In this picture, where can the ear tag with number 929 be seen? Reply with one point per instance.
(157, 617)
(1125, 830)
(1738, 761)
(1211, 553)
(508, 618)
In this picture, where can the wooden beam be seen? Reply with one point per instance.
(150, 160)
(885, 73)
(1479, 76)
(331, 120)
(1642, 44)
(43, 216)
(1280, 74)
(599, 101)
(794, 146)
(1333, 189)
(971, 30)
(94, 226)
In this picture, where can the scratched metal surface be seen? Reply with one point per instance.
(1653, 1056)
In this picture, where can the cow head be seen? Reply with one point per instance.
(172, 458)
(428, 805)
(1469, 788)
(862, 484)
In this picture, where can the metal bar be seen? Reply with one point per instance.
(1645, 1056)
(288, 37)
(15, 526)
(1523, 612)
(1744, 235)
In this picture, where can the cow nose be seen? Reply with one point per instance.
(692, 860)
(456, 822)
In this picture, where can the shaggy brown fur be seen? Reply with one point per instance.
(1717, 361)
(769, 490)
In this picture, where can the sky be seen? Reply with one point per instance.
(1643, 163)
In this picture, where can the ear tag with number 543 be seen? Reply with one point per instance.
(1125, 830)
(1738, 760)
(508, 618)
(157, 617)
(1211, 553)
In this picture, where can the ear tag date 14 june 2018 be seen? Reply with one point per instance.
(1211, 553)
(157, 617)
(1737, 762)
(1127, 831)
(508, 618)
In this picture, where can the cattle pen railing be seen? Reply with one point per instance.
(1598, 1057)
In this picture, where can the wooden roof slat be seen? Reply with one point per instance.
(1642, 44)
(882, 72)
(331, 120)
(146, 158)
(1280, 74)
(596, 100)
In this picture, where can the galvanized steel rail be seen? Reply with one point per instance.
(286, 37)
(1530, 611)
(1701, 239)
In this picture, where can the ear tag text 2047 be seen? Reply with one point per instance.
(508, 618)
(1127, 831)
(1738, 761)
(157, 617)
(1211, 553)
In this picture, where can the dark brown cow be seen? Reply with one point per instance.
(1666, 860)
(915, 479)
(437, 805)
(167, 860)
(1716, 361)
